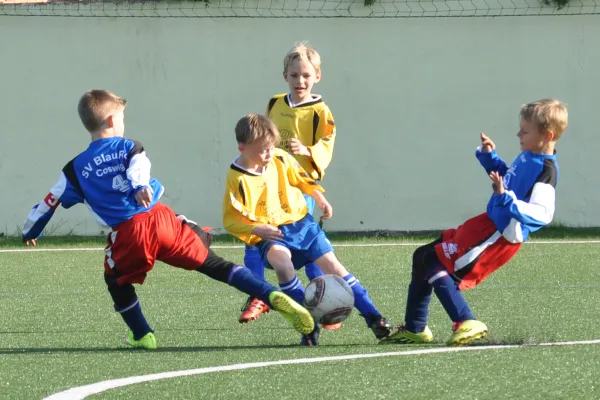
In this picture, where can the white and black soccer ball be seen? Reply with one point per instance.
(329, 299)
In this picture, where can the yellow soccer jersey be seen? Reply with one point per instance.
(273, 197)
(312, 123)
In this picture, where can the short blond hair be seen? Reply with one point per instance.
(301, 51)
(547, 115)
(96, 105)
(256, 128)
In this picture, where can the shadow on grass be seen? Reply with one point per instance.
(191, 349)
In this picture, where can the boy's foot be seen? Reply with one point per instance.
(381, 327)
(404, 336)
(147, 342)
(252, 310)
(312, 339)
(298, 316)
(332, 327)
(467, 331)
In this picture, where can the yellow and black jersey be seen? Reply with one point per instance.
(273, 197)
(312, 123)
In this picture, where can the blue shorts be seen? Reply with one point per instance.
(305, 239)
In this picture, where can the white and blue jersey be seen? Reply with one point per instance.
(528, 202)
(105, 177)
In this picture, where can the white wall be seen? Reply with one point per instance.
(410, 97)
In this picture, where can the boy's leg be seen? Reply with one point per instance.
(279, 258)
(129, 255)
(415, 329)
(128, 305)
(465, 327)
(380, 326)
(245, 281)
(465, 257)
(182, 248)
(252, 260)
(312, 270)
(253, 307)
(446, 289)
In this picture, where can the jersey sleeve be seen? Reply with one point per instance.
(324, 139)
(138, 168)
(491, 161)
(66, 192)
(238, 219)
(297, 176)
(517, 218)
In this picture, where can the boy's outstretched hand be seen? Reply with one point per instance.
(487, 145)
(267, 232)
(497, 183)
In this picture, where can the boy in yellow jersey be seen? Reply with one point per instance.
(264, 207)
(307, 130)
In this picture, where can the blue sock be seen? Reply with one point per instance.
(446, 290)
(362, 302)
(313, 271)
(294, 289)
(417, 305)
(253, 261)
(135, 320)
(245, 281)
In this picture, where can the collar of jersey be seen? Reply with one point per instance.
(316, 98)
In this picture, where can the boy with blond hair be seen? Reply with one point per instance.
(523, 201)
(307, 130)
(264, 207)
(112, 177)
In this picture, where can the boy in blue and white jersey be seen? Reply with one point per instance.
(523, 201)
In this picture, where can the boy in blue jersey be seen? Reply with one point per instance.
(523, 201)
(112, 177)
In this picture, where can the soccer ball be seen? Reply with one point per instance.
(329, 299)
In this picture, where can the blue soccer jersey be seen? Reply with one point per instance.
(105, 177)
(528, 202)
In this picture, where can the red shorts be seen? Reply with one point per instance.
(135, 245)
(474, 250)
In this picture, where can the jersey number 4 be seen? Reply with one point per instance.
(121, 184)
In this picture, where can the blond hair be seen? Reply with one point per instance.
(548, 115)
(301, 51)
(96, 105)
(256, 128)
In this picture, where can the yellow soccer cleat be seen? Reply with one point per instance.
(404, 336)
(147, 342)
(298, 316)
(466, 332)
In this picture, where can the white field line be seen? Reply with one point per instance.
(534, 242)
(81, 392)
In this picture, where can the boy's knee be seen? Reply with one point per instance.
(280, 257)
(424, 258)
(330, 264)
(123, 296)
